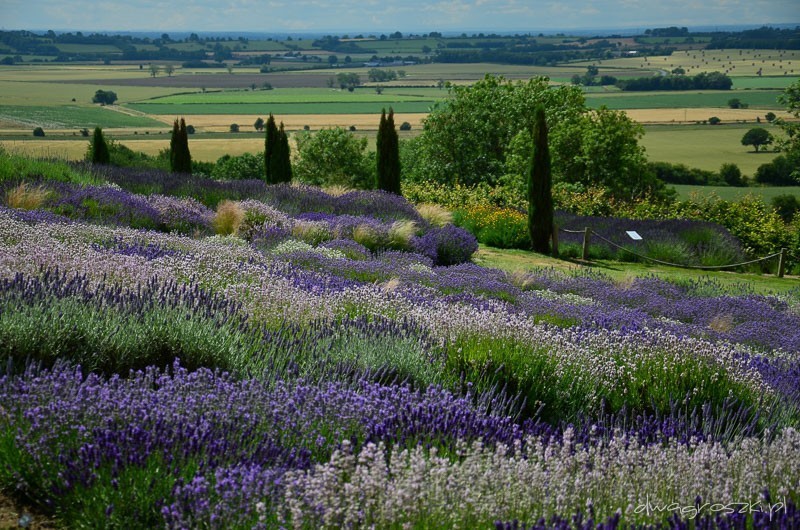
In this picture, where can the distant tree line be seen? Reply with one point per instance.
(701, 81)
(672, 31)
(763, 38)
(543, 58)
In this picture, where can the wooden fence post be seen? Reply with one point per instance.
(782, 263)
(587, 234)
(555, 241)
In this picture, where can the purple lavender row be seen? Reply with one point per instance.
(291, 199)
(242, 435)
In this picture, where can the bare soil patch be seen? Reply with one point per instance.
(11, 512)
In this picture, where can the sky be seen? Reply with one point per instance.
(385, 16)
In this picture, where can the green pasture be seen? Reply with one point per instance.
(356, 107)
(190, 46)
(88, 48)
(397, 47)
(766, 99)
(71, 116)
(747, 83)
(301, 95)
(705, 147)
(51, 94)
(263, 46)
(767, 193)
(146, 47)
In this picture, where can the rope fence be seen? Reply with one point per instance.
(587, 232)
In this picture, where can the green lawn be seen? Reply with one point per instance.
(66, 117)
(522, 260)
(665, 100)
(732, 194)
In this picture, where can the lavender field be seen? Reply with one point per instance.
(185, 353)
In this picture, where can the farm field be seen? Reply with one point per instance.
(760, 99)
(705, 147)
(68, 117)
(784, 63)
(312, 361)
(312, 108)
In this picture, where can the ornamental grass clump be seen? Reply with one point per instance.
(435, 215)
(312, 232)
(400, 234)
(25, 197)
(229, 218)
(369, 236)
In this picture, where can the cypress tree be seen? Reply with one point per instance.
(394, 152)
(270, 146)
(540, 194)
(173, 145)
(186, 156)
(100, 153)
(380, 151)
(281, 162)
(388, 160)
(179, 157)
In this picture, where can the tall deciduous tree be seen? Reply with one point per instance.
(179, 157)
(465, 140)
(388, 155)
(757, 137)
(99, 148)
(270, 146)
(333, 157)
(540, 195)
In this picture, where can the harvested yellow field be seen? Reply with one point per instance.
(59, 149)
(294, 122)
(205, 150)
(733, 62)
(693, 115)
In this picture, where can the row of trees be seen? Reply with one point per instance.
(701, 81)
(331, 156)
